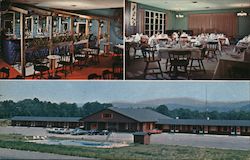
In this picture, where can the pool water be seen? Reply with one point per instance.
(74, 143)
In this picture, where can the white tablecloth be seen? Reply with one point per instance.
(195, 52)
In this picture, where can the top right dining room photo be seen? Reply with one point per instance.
(187, 39)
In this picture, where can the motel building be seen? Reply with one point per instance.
(48, 122)
(138, 120)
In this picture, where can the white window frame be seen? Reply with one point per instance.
(13, 23)
(161, 22)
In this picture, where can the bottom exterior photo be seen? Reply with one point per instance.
(124, 120)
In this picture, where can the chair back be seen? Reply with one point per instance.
(4, 73)
(94, 76)
(118, 70)
(149, 54)
(212, 45)
(107, 74)
(179, 55)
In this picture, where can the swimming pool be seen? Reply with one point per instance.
(79, 143)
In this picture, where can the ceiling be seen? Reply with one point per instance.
(74, 4)
(188, 5)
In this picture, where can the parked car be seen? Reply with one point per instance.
(155, 131)
(79, 131)
(104, 132)
(59, 130)
(93, 132)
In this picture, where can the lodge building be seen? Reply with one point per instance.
(123, 119)
(143, 120)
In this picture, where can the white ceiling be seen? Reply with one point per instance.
(74, 4)
(187, 5)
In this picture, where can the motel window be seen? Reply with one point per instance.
(155, 22)
(107, 116)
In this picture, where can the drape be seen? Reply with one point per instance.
(225, 23)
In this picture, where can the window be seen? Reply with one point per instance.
(107, 115)
(155, 22)
(9, 23)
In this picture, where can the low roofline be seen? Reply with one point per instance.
(203, 122)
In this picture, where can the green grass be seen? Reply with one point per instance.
(140, 152)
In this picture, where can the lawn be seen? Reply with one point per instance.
(140, 152)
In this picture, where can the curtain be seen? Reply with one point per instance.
(217, 23)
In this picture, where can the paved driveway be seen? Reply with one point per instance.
(211, 141)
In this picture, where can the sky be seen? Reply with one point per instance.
(123, 91)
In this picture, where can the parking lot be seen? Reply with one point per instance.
(211, 141)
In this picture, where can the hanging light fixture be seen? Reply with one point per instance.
(90, 23)
(179, 15)
(101, 24)
(242, 14)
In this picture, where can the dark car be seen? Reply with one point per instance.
(93, 132)
(104, 132)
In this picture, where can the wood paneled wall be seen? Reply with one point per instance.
(217, 23)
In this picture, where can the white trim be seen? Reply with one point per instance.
(78, 26)
(32, 24)
(13, 23)
(161, 22)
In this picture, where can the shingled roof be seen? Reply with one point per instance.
(204, 122)
(46, 119)
(140, 115)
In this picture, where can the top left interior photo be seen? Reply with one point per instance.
(63, 40)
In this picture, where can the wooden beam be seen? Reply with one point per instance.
(87, 30)
(99, 33)
(20, 10)
(22, 47)
(40, 11)
(80, 15)
(50, 29)
(71, 14)
(108, 30)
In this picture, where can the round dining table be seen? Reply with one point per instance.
(53, 59)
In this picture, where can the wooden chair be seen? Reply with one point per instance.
(80, 59)
(40, 66)
(94, 76)
(94, 55)
(212, 47)
(136, 47)
(199, 60)
(65, 61)
(179, 60)
(4, 73)
(150, 57)
(222, 42)
(107, 74)
(117, 70)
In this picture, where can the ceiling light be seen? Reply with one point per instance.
(179, 15)
(241, 14)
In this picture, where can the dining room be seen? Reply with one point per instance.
(187, 40)
(64, 40)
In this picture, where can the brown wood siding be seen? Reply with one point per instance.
(116, 117)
